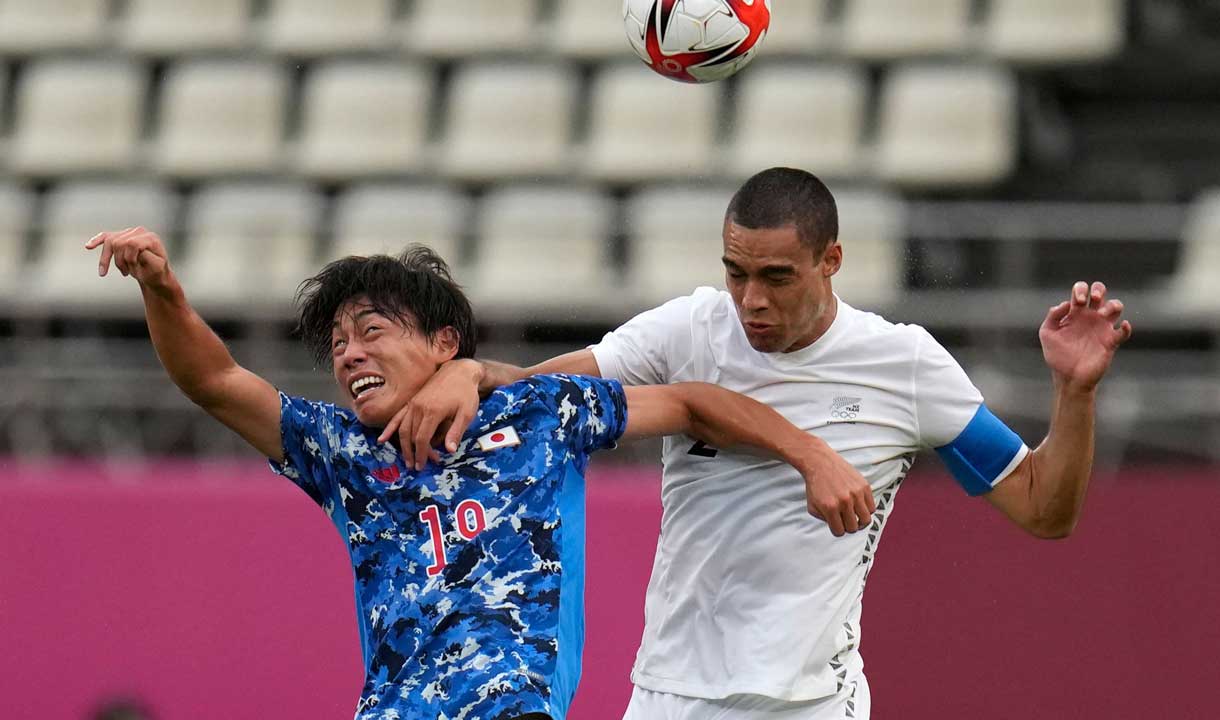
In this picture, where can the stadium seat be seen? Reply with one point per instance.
(319, 27)
(37, 26)
(453, 29)
(588, 29)
(221, 117)
(804, 116)
(1053, 31)
(888, 29)
(798, 27)
(250, 243)
(871, 226)
(16, 212)
(646, 127)
(364, 118)
(377, 218)
(1194, 286)
(552, 239)
(65, 274)
(169, 28)
(947, 126)
(508, 120)
(676, 238)
(76, 116)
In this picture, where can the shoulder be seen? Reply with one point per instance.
(878, 332)
(551, 389)
(302, 411)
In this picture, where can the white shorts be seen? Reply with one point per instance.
(851, 703)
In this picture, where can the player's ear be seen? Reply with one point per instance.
(832, 259)
(446, 342)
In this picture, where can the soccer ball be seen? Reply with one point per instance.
(696, 41)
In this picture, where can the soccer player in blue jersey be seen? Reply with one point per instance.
(468, 569)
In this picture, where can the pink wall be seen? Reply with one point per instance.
(223, 592)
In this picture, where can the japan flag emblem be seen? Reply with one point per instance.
(504, 437)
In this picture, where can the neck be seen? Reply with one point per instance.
(825, 317)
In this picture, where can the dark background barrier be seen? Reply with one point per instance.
(220, 591)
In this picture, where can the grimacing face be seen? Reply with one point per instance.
(379, 363)
(780, 288)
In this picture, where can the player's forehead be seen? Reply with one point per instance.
(359, 310)
(764, 248)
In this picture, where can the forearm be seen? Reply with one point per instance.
(192, 354)
(722, 418)
(1062, 464)
(492, 374)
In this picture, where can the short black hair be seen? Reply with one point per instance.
(782, 196)
(414, 288)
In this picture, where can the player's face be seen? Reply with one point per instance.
(379, 363)
(781, 289)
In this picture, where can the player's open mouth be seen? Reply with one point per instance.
(366, 384)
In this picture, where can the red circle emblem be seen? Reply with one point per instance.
(498, 437)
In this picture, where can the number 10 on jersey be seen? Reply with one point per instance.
(470, 518)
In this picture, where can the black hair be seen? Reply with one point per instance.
(782, 196)
(414, 288)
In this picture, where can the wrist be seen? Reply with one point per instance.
(1068, 387)
(805, 452)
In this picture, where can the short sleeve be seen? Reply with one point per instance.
(592, 411)
(306, 431)
(976, 446)
(645, 349)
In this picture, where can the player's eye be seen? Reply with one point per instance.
(371, 328)
(337, 343)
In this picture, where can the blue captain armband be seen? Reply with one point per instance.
(984, 453)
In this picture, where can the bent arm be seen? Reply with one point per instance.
(200, 365)
(1045, 493)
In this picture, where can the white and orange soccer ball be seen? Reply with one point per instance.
(696, 41)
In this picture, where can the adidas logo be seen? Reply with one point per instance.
(844, 408)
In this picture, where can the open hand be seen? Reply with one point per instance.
(1080, 336)
(440, 412)
(136, 252)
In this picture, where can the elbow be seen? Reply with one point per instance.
(1052, 528)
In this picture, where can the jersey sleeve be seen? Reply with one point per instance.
(307, 431)
(645, 349)
(976, 446)
(592, 411)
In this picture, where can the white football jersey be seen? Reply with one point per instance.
(749, 593)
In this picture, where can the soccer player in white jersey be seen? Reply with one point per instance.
(753, 609)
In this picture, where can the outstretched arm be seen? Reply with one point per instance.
(835, 491)
(1045, 493)
(447, 404)
(195, 358)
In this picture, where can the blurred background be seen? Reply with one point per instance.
(985, 154)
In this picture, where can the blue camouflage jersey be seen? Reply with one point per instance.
(469, 575)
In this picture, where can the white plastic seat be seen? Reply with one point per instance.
(160, 27)
(647, 127)
(16, 212)
(221, 117)
(319, 27)
(77, 116)
(800, 116)
(453, 29)
(676, 240)
(946, 126)
(365, 118)
(543, 246)
(1054, 31)
(798, 27)
(588, 29)
(383, 219)
(1194, 285)
(28, 26)
(887, 29)
(508, 120)
(250, 242)
(65, 273)
(871, 232)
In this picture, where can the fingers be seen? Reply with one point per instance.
(863, 511)
(425, 428)
(392, 426)
(103, 262)
(1056, 314)
(1097, 295)
(835, 521)
(851, 523)
(457, 429)
(1124, 332)
(1080, 294)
